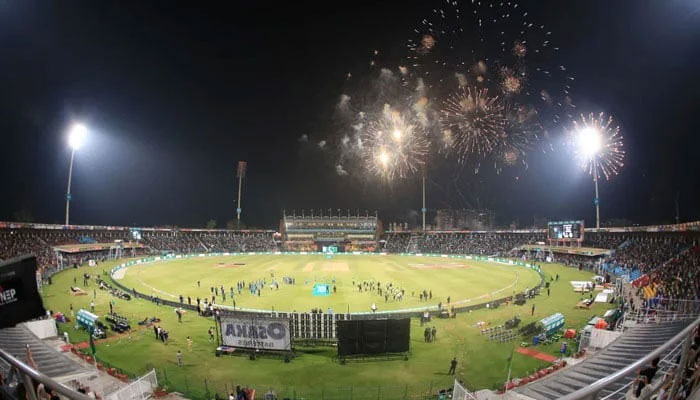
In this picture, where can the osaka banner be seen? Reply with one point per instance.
(256, 333)
(19, 297)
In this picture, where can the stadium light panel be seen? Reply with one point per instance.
(589, 141)
(76, 136)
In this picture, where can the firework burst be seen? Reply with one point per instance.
(394, 145)
(472, 122)
(496, 45)
(598, 145)
(512, 82)
(520, 133)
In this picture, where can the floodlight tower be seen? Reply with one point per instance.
(242, 165)
(76, 136)
(424, 209)
(589, 141)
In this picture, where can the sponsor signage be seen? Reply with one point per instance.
(256, 333)
(19, 296)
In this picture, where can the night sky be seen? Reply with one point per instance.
(175, 96)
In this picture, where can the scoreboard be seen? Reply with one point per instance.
(565, 231)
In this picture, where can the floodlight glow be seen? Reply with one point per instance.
(589, 141)
(76, 136)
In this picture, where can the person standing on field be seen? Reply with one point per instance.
(453, 366)
(179, 358)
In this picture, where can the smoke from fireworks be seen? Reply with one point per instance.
(598, 145)
(394, 145)
(520, 133)
(472, 122)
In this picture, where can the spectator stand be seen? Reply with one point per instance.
(346, 233)
(78, 253)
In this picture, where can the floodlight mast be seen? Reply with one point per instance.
(423, 210)
(76, 136)
(70, 175)
(590, 145)
(242, 166)
(597, 199)
(238, 209)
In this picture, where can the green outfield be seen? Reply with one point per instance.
(314, 373)
(465, 281)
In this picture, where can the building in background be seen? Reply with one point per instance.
(464, 219)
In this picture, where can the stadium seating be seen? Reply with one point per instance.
(50, 361)
(630, 347)
(635, 254)
(477, 243)
(397, 242)
(18, 239)
(312, 233)
(677, 278)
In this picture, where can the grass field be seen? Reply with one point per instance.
(461, 280)
(314, 374)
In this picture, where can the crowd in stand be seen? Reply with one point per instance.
(487, 244)
(16, 242)
(663, 256)
(607, 241)
(641, 253)
(177, 242)
(209, 241)
(397, 242)
(679, 278)
(40, 242)
(646, 253)
(237, 242)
